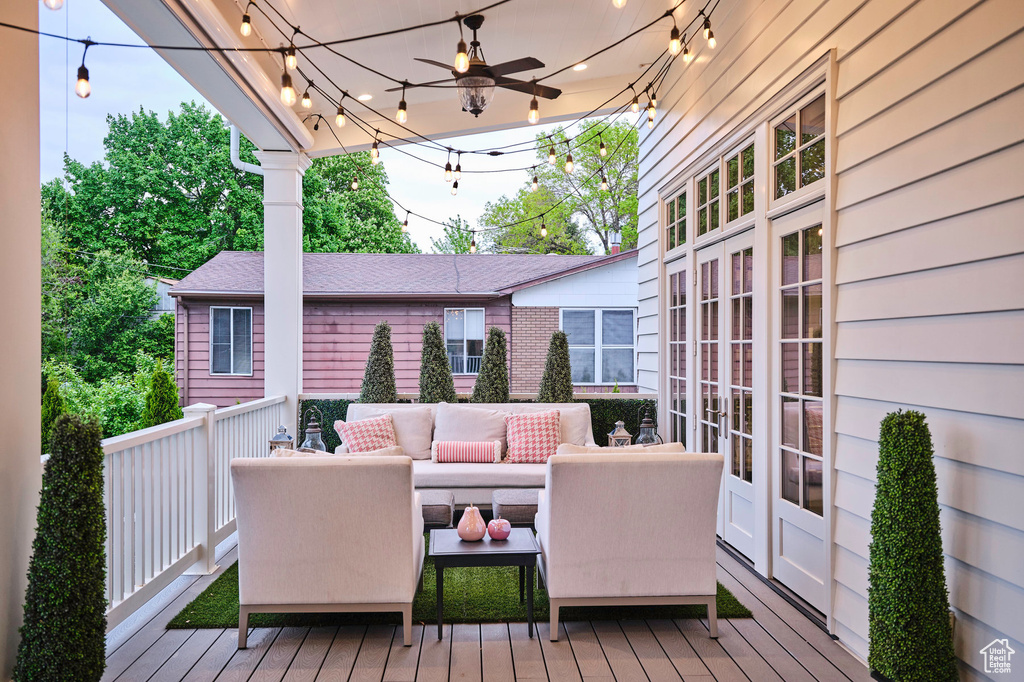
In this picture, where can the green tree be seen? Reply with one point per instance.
(908, 604)
(161, 400)
(556, 383)
(492, 382)
(436, 383)
(53, 407)
(61, 282)
(379, 379)
(457, 237)
(510, 225)
(64, 632)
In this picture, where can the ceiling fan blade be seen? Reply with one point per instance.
(516, 65)
(410, 86)
(431, 61)
(528, 87)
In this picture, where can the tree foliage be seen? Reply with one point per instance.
(556, 382)
(53, 407)
(161, 400)
(908, 604)
(509, 225)
(379, 379)
(64, 632)
(456, 239)
(436, 382)
(492, 382)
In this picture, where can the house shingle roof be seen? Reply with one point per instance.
(367, 274)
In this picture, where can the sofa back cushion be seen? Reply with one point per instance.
(469, 423)
(414, 424)
(574, 420)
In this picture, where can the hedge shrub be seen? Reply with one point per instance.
(908, 605)
(161, 400)
(379, 379)
(436, 382)
(556, 383)
(53, 407)
(492, 382)
(64, 632)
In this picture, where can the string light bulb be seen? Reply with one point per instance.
(405, 223)
(551, 155)
(619, 4)
(402, 115)
(651, 110)
(675, 45)
(604, 182)
(707, 28)
(374, 154)
(534, 115)
(291, 59)
(543, 230)
(307, 101)
(246, 28)
(340, 118)
(635, 106)
(355, 182)
(712, 43)
(455, 188)
(82, 87)
(448, 171)
(461, 57)
(472, 244)
(458, 167)
(602, 150)
(287, 91)
(534, 185)
(53, 4)
(687, 57)
(568, 163)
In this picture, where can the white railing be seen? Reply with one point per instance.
(413, 397)
(169, 499)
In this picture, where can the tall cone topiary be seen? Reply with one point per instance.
(53, 407)
(161, 400)
(556, 384)
(436, 383)
(492, 382)
(379, 378)
(64, 632)
(908, 606)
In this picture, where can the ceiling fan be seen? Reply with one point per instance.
(476, 85)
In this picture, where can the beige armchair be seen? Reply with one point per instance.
(327, 534)
(634, 528)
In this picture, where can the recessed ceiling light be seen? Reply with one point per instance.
(579, 67)
(365, 97)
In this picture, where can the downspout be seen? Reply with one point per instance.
(184, 354)
(237, 162)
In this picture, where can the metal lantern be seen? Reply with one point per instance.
(620, 437)
(648, 428)
(282, 440)
(313, 440)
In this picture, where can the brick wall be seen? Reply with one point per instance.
(531, 334)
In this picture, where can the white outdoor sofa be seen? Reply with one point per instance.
(471, 483)
(633, 527)
(327, 534)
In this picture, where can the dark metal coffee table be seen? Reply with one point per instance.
(520, 549)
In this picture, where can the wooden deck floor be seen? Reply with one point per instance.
(777, 644)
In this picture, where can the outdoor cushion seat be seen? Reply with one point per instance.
(438, 508)
(428, 474)
(517, 505)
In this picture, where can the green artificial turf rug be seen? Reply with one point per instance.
(471, 595)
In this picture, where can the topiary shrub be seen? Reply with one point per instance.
(53, 407)
(379, 379)
(64, 632)
(492, 382)
(436, 383)
(161, 400)
(556, 383)
(908, 606)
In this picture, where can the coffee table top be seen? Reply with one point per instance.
(446, 541)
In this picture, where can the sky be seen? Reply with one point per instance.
(124, 79)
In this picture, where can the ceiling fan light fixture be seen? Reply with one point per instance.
(461, 57)
(475, 93)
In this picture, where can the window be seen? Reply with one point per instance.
(675, 231)
(231, 341)
(739, 179)
(677, 356)
(464, 338)
(708, 217)
(600, 345)
(799, 158)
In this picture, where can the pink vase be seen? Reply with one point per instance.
(471, 525)
(499, 529)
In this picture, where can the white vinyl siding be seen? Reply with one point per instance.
(929, 262)
(231, 341)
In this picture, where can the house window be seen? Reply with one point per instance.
(675, 230)
(739, 183)
(799, 158)
(708, 216)
(464, 339)
(231, 341)
(600, 345)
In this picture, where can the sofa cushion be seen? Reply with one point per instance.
(574, 420)
(366, 435)
(469, 423)
(427, 474)
(285, 452)
(532, 438)
(413, 425)
(483, 452)
(569, 449)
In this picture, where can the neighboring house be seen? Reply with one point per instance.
(219, 347)
(166, 303)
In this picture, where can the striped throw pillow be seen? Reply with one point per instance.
(482, 452)
(532, 437)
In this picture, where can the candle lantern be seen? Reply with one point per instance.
(313, 440)
(282, 440)
(648, 427)
(620, 437)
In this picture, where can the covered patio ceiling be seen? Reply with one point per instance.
(245, 86)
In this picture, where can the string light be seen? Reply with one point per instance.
(291, 60)
(287, 91)
(461, 57)
(651, 110)
(687, 57)
(307, 101)
(712, 43)
(340, 118)
(246, 28)
(405, 223)
(619, 4)
(675, 45)
(455, 188)
(602, 150)
(355, 182)
(635, 105)
(402, 115)
(374, 153)
(604, 182)
(472, 243)
(551, 155)
(568, 158)
(534, 185)
(534, 115)
(458, 167)
(707, 27)
(448, 168)
(82, 87)
(53, 4)
(543, 230)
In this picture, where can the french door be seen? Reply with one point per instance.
(725, 387)
(798, 469)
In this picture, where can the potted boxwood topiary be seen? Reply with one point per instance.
(492, 382)
(161, 400)
(908, 606)
(64, 632)
(379, 378)
(556, 383)
(436, 383)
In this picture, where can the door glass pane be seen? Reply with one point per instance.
(714, 363)
(582, 362)
(785, 177)
(812, 486)
(791, 477)
(791, 258)
(791, 368)
(242, 341)
(812, 427)
(221, 341)
(748, 271)
(748, 365)
(737, 457)
(617, 365)
(748, 318)
(791, 313)
(737, 319)
(714, 278)
(812, 368)
(791, 422)
(737, 273)
(812, 311)
(617, 328)
(579, 327)
(812, 120)
(785, 137)
(812, 253)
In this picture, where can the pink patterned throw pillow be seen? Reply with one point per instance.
(483, 452)
(367, 435)
(532, 438)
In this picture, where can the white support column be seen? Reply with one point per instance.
(20, 310)
(282, 278)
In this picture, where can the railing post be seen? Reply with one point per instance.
(203, 491)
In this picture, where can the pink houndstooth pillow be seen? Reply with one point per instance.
(532, 438)
(482, 452)
(367, 435)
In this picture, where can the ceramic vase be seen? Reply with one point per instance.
(471, 525)
(499, 529)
